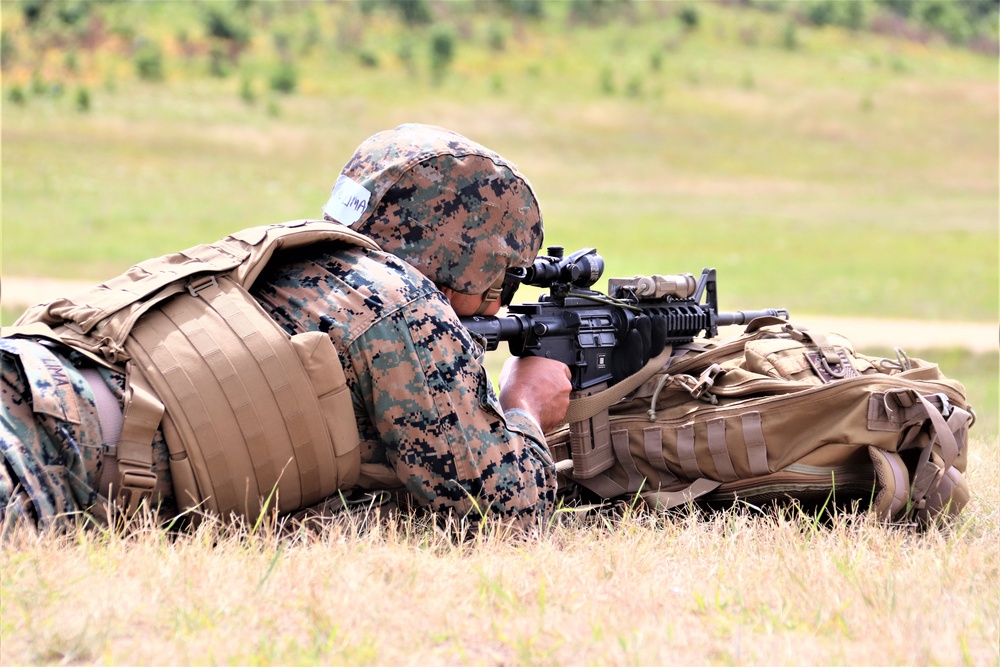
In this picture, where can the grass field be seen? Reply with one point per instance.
(852, 175)
(736, 588)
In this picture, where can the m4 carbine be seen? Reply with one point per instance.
(604, 338)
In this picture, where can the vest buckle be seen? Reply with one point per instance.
(194, 287)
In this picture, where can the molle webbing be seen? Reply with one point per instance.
(787, 413)
(247, 411)
(244, 418)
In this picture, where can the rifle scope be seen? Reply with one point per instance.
(581, 269)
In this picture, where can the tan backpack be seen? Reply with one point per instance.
(253, 418)
(781, 412)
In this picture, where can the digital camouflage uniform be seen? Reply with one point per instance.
(453, 210)
(51, 438)
(423, 400)
(50, 435)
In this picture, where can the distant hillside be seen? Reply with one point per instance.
(54, 46)
(835, 157)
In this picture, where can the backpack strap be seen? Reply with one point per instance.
(664, 500)
(588, 406)
(936, 463)
(136, 480)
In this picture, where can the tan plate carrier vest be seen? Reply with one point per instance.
(253, 418)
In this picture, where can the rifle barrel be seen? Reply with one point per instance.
(745, 316)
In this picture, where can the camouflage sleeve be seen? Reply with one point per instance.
(50, 438)
(423, 383)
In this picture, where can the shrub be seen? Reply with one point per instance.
(413, 12)
(854, 15)
(790, 36)
(225, 25)
(82, 100)
(948, 18)
(689, 17)
(32, 10)
(902, 7)
(821, 12)
(72, 12)
(149, 62)
(284, 78)
(312, 38)
(497, 38)
(442, 52)
(16, 95)
(368, 58)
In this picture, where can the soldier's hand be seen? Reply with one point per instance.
(537, 385)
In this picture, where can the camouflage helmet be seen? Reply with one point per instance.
(456, 211)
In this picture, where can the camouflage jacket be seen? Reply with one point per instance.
(425, 406)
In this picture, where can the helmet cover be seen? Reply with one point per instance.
(456, 211)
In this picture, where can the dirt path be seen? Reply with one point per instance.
(17, 293)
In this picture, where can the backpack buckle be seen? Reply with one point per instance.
(195, 287)
(705, 383)
(135, 487)
(946, 408)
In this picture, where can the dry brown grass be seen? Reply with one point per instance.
(736, 588)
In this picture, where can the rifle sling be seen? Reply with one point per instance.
(588, 406)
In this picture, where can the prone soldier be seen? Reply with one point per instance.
(432, 222)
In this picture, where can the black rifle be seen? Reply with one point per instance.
(592, 332)
(604, 338)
